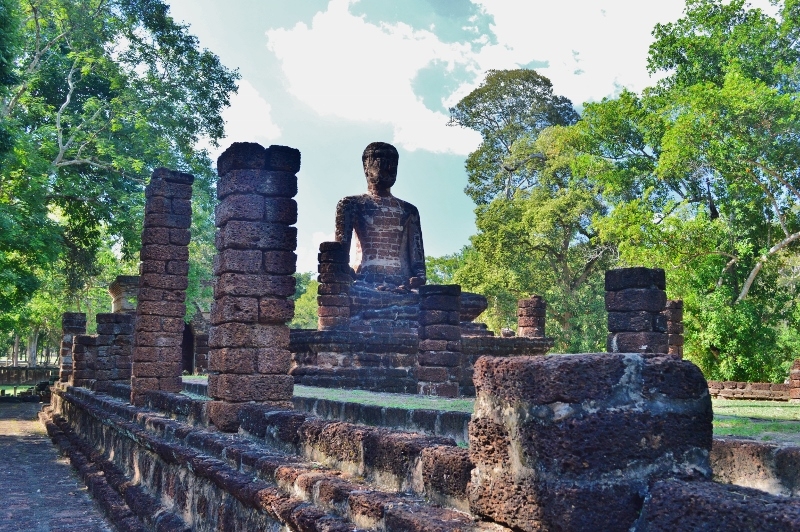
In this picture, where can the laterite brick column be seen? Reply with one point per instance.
(794, 382)
(333, 297)
(531, 315)
(249, 357)
(674, 316)
(72, 324)
(573, 442)
(635, 299)
(113, 347)
(162, 284)
(84, 353)
(440, 360)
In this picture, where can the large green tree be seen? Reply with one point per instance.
(104, 91)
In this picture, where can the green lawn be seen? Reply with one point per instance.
(9, 388)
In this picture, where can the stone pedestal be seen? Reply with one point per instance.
(531, 314)
(72, 324)
(440, 360)
(124, 292)
(333, 297)
(162, 284)
(635, 299)
(249, 357)
(573, 442)
(674, 316)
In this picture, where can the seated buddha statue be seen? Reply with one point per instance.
(389, 256)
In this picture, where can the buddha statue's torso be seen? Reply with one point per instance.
(388, 238)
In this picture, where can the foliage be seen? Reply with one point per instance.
(507, 106)
(305, 297)
(105, 91)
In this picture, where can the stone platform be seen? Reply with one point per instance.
(396, 362)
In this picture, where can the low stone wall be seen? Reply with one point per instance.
(770, 467)
(18, 375)
(262, 479)
(749, 390)
(391, 362)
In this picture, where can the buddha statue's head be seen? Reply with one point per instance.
(380, 167)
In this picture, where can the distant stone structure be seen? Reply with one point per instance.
(635, 301)
(72, 324)
(531, 315)
(674, 316)
(163, 280)
(248, 339)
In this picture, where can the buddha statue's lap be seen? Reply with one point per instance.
(384, 234)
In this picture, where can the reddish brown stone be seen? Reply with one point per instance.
(431, 374)
(168, 220)
(157, 369)
(246, 335)
(163, 281)
(439, 303)
(238, 261)
(238, 284)
(239, 207)
(440, 358)
(539, 323)
(637, 342)
(333, 289)
(233, 360)
(275, 310)
(333, 312)
(273, 360)
(637, 277)
(225, 416)
(280, 210)
(161, 308)
(267, 183)
(256, 235)
(280, 262)
(636, 299)
(531, 302)
(259, 387)
(177, 267)
(440, 332)
(231, 308)
(334, 301)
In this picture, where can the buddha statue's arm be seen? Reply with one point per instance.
(416, 250)
(344, 224)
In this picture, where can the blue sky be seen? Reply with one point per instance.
(330, 76)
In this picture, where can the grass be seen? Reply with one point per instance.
(761, 420)
(9, 388)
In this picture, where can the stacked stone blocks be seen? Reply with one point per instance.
(674, 316)
(635, 300)
(794, 381)
(162, 284)
(72, 324)
(531, 315)
(556, 450)
(112, 350)
(333, 297)
(249, 358)
(440, 360)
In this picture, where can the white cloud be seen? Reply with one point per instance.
(308, 250)
(342, 66)
(249, 119)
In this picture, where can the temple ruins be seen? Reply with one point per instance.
(613, 441)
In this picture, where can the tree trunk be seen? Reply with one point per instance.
(33, 344)
(15, 351)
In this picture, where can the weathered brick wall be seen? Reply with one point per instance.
(571, 442)
(440, 360)
(635, 300)
(333, 297)
(531, 315)
(248, 340)
(113, 350)
(749, 390)
(72, 323)
(84, 353)
(162, 284)
(673, 312)
(794, 381)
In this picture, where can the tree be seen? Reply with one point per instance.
(305, 301)
(507, 106)
(106, 91)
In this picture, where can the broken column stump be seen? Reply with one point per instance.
(249, 358)
(794, 381)
(531, 315)
(572, 442)
(674, 316)
(333, 297)
(635, 299)
(114, 345)
(72, 324)
(439, 361)
(164, 266)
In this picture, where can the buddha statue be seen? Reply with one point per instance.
(389, 258)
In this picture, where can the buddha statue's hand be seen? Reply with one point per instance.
(416, 282)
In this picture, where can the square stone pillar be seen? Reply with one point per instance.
(635, 299)
(440, 362)
(164, 266)
(674, 316)
(531, 315)
(333, 297)
(574, 442)
(249, 354)
(72, 324)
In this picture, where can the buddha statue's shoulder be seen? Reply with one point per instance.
(354, 202)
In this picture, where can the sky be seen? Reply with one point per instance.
(330, 76)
